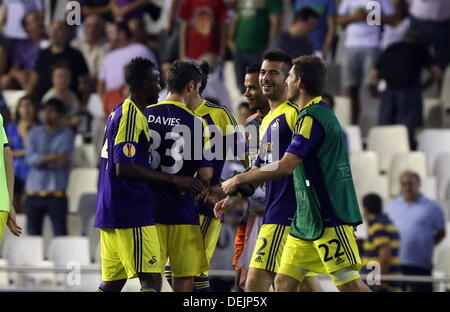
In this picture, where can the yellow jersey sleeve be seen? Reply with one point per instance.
(291, 115)
(304, 127)
(131, 125)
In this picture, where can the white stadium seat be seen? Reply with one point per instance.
(364, 164)
(27, 251)
(441, 170)
(429, 188)
(65, 249)
(412, 161)
(12, 97)
(377, 184)
(388, 141)
(354, 139)
(342, 109)
(432, 112)
(441, 256)
(72, 253)
(84, 156)
(433, 142)
(81, 181)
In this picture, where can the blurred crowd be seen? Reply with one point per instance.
(72, 75)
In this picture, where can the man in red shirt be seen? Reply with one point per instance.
(202, 28)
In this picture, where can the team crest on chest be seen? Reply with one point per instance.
(129, 150)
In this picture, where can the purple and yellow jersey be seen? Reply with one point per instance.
(178, 139)
(123, 203)
(306, 142)
(276, 132)
(223, 130)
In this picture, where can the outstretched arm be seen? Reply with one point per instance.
(129, 170)
(271, 172)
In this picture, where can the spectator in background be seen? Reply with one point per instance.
(400, 66)
(111, 82)
(59, 51)
(361, 46)
(124, 10)
(60, 90)
(396, 32)
(140, 34)
(14, 13)
(420, 222)
(295, 41)
(93, 44)
(216, 89)
(25, 53)
(97, 7)
(382, 243)
(202, 28)
(18, 133)
(431, 20)
(48, 154)
(244, 112)
(323, 35)
(255, 24)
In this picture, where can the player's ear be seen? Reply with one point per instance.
(299, 83)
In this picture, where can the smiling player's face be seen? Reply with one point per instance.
(272, 79)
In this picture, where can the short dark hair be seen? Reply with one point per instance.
(253, 69)
(137, 70)
(373, 203)
(313, 73)
(123, 26)
(305, 14)
(181, 72)
(278, 55)
(57, 104)
(204, 66)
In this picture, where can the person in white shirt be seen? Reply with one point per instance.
(111, 82)
(93, 45)
(396, 33)
(361, 46)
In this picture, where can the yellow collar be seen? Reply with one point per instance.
(278, 108)
(315, 100)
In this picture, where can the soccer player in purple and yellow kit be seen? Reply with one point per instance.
(179, 137)
(129, 241)
(276, 131)
(222, 124)
(321, 237)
